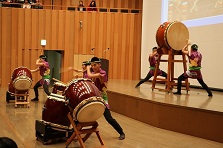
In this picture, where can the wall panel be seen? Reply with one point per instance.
(68, 53)
(131, 56)
(136, 47)
(86, 38)
(48, 28)
(54, 29)
(4, 62)
(124, 51)
(1, 47)
(14, 35)
(28, 36)
(22, 29)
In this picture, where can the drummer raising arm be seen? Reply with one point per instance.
(99, 77)
(84, 69)
(194, 71)
(44, 69)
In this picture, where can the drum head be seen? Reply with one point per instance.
(22, 84)
(177, 34)
(90, 112)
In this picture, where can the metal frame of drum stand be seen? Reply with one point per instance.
(170, 83)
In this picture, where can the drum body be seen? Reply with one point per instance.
(58, 87)
(21, 81)
(55, 110)
(80, 89)
(85, 98)
(172, 35)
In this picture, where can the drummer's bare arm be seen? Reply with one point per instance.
(39, 63)
(94, 75)
(76, 70)
(185, 49)
(153, 54)
(35, 70)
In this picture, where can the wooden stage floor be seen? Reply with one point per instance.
(196, 98)
(19, 123)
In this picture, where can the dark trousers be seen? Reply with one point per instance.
(164, 74)
(112, 121)
(45, 87)
(182, 78)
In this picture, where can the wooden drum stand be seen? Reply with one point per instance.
(169, 81)
(171, 37)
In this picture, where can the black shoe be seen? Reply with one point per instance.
(177, 93)
(210, 94)
(35, 99)
(136, 86)
(121, 137)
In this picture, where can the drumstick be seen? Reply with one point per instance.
(58, 80)
(64, 70)
(76, 76)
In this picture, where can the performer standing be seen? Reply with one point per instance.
(44, 69)
(194, 71)
(99, 77)
(152, 61)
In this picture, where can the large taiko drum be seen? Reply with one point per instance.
(55, 110)
(21, 80)
(172, 35)
(85, 98)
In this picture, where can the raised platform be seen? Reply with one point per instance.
(194, 113)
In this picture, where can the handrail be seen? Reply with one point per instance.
(74, 8)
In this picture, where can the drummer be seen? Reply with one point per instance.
(84, 69)
(44, 69)
(99, 77)
(194, 71)
(152, 61)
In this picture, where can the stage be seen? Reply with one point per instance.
(194, 113)
(148, 118)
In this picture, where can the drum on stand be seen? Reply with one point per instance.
(59, 88)
(54, 123)
(55, 110)
(172, 35)
(85, 98)
(81, 97)
(19, 86)
(21, 80)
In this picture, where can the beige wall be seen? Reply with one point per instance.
(22, 29)
(208, 37)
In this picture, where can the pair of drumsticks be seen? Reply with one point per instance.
(65, 70)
